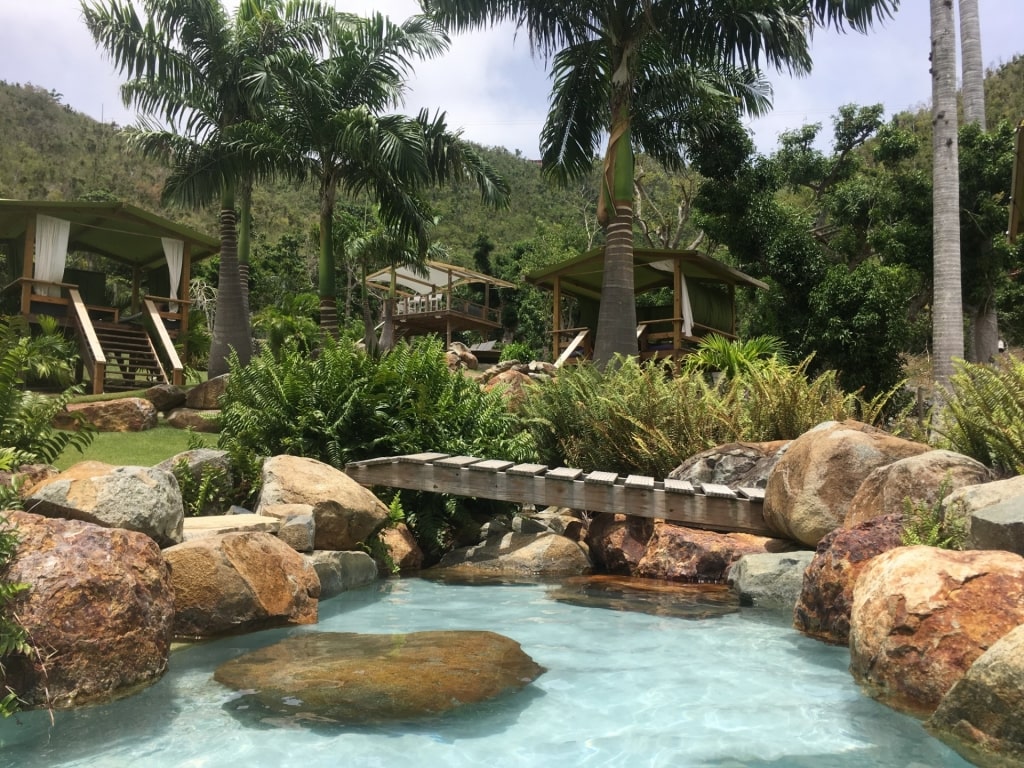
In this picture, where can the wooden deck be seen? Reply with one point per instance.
(710, 506)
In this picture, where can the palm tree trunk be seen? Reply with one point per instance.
(327, 290)
(982, 318)
(616, 319)
(244, 237)
(947, 318)
(231, 329)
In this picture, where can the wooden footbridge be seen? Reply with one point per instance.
(707, 505)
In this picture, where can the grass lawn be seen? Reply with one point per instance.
(142, 449)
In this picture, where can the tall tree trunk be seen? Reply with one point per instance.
(947, 318)
(327, 289)
(231, 329)
(244, 237)
(982, 319)
(616, 319)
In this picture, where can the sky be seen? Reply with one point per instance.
(497, 94)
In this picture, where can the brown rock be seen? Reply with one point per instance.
(519, 554)
(918, 478)
(28, 475)
(206, 395)
(402, 548)
(345, 513)
(745, 465)
(128, 414)
(165, 397)
(823, 610)
(511, 383)
(653, 596)
(99, 611)
(980, 717)
(207, 421)
(341, 571)
(690, 554)
(618, 542)
(466, 357)
(240, 582)
(350, 678)
(809, 492)
(921, 616)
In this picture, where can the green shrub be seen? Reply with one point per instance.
(211, 490)
(733, 358)
(935, 524)
(636, 418)
(984, 415)
(13, 639)
(342, 405)
(518, 350)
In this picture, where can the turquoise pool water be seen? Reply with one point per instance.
(621, 689)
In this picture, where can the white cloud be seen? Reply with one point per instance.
(491, 87)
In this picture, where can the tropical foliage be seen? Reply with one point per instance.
(639, 418)
(935, 523)
(344, 405)
(984, 415)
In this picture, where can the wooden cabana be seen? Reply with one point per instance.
(118, 351)
(428, 299)
(1017, 188)
(702, 301)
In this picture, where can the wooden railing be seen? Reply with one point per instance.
(571, 344)
(665, 337)
(435, 303)
(89, 345)
(164, 344)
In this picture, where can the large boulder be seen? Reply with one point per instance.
(240, 582)
(921, 616)
(206, 395)
(143, 499)
(980, 717)
(518, 554)
(350, 678)
(166, 397)
(826, 596)
(676, 553)
(403, 553)
(341, 571)
(99, 611)
(809, 492)
(1000, 526)
(917, 478)
(346, 514)
(207, 421)
(512, 384)
(618, 542)
(770, 579)
(127, 414)
(745, 465)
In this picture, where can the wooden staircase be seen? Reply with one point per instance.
(131, 360)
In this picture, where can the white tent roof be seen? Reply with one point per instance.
(433, 277)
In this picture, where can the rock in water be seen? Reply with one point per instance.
(347, 677)
(652, 596)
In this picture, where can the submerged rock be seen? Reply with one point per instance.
(346, 677)
(653, 596)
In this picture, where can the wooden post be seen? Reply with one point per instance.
(556, 323)
(136, 290)
(183, 293)
(677, 305)
(26, 267)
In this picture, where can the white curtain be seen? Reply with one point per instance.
(51, 252)
(174, 252)
(687, 309)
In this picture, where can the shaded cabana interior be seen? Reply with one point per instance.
(440, 298)
(699, 298)
(118, 352)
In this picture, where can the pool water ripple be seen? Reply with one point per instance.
(621, 689)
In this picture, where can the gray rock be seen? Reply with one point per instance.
(1000, 526)
(206, 421)
(770, 580)
(206, 460)
(342, 571)
(165, 397)
(298, 532)
(143, 499)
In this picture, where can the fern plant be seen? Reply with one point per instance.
(935, 523)
(984, 416)
(734, 358)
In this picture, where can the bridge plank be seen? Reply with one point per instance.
(527, 469)
(420, 458)
(716, 489)
(754, 494)
(601, 478)
(679, 486)
(492, 465)
(372, 462)
(456, 461)
(564, 473)
(641, 482)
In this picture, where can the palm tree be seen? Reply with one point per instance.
(947, 318)
(650, 76)
(984, 323)
(328, 125)
(194, 73)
